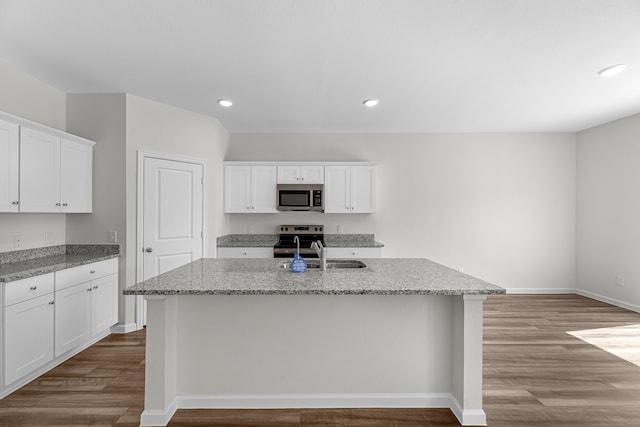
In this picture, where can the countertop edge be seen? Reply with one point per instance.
(12, 277)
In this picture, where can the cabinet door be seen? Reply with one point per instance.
(28, 337)
(263, 189)
(362, 189)
(237, 189)
(76, 175)
(72, 317)
(288, 174)
(104, 303)
(9, 161)
(312, 174)
(39, 171)
(337, 189)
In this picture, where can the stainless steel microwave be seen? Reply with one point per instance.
(300, 197)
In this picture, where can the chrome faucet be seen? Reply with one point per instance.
(296, 240)
(322, 253)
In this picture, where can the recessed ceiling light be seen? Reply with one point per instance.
(612, 70)
(225, 102)
(370, 102)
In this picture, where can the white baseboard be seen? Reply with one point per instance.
(608, 300)
(121, 328)
(158, 417)
(514, 291)
(369, 400)
(588, 294)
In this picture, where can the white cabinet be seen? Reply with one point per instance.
(250, 189)
(9, 162)
(28, 319)
(337, 253)
(72, 317)
(349, 189)
(298, 174)
(104, 303)
(55, 173)
(86, 303)
(76, 177)
(253, 252)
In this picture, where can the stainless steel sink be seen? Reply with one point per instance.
(331, 263)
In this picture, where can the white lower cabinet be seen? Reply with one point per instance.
(45, 318)
(28, 326)
(354, 253)
(104, 304)
(86, 303)
(255, 252)
(72, 317)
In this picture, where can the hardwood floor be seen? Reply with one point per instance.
(536, 373)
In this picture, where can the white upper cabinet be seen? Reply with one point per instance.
(349, 189)
(363, 180)
(9, 163)
(43, 169)
(55, 173)
(297, 174)
(76, 172)
(39, 171)
(250, 189)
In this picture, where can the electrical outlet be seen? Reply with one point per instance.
(249, 229)
(620, 281)
(48, 237)
(113, 237)
(461, 270)
(340, 229)
(17, 241)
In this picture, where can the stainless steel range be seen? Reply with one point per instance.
(286, 246)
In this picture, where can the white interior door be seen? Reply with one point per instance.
(172, 215)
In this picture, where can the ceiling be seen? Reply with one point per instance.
(307, 65)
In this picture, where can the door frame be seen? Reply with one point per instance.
(141, 156)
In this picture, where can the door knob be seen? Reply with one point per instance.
(149, 250)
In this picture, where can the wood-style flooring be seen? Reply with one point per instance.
(537, 372)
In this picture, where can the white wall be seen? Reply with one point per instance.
(501, 206)
(102, 118)
(121, 125)
(608, 212)
(24, 96)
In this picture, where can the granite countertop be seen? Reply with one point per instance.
(265, 276)
(16, 265)
(268, 240)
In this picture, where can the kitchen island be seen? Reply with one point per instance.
(247, 333)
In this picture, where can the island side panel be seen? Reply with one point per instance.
(161, 360)
(315, 345)
(467, 359)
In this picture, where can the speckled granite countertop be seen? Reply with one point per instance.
(16, 265)
(268, 240)
(264, 276)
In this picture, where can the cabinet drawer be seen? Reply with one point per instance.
(26, 289)
(84, 273)
(354, 252)
(245, 252)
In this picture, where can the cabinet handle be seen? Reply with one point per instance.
(302, 179)
(51, 302)
(58, 204)
(88, 289)
(248, 208)
(33, 288)
(65, 204)
(95, 287)
(15, 203)
(92, 272)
